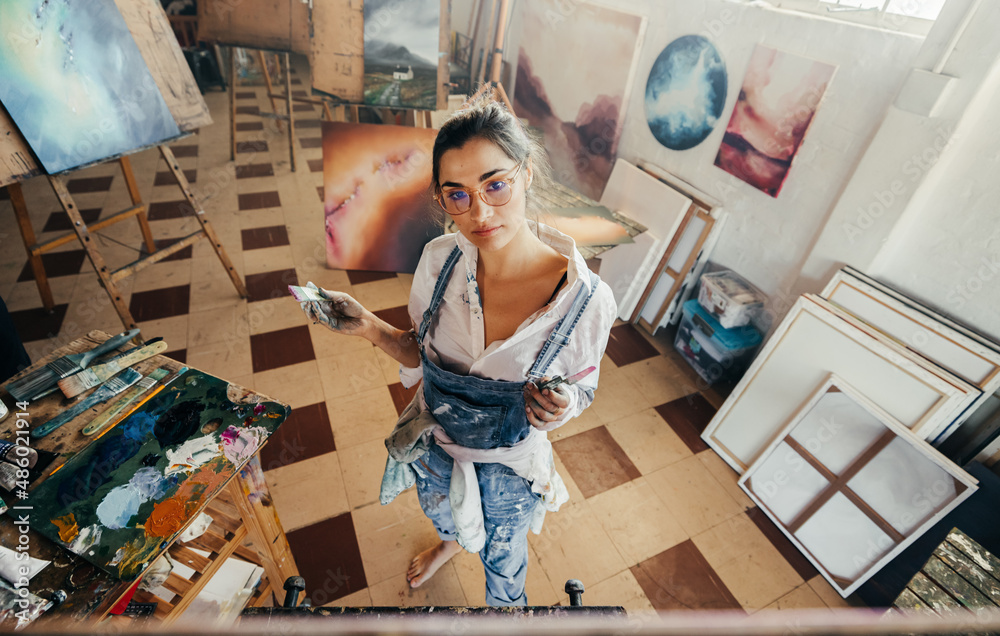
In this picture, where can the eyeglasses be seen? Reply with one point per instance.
(456, 201)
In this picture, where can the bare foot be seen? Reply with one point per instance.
(424, 565)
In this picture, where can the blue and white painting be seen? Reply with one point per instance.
(686, 92)
(75, 83)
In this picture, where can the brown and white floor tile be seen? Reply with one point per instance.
(298, 500)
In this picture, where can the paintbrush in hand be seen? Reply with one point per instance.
(108, 390)
(42, 381)
(76, 384)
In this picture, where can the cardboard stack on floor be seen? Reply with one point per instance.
(832, 426)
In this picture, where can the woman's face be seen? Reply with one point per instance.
(472, 166)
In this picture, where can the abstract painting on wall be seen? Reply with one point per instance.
(402, 38)
(573, 78)
(75, 83)
(377, 201)
(124, 496)
(777, 102)
(686, 92)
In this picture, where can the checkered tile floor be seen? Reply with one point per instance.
(656, 519)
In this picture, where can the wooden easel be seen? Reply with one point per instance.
(287, 97)
(82, 232)
(496, 64)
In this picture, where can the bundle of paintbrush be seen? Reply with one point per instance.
(109, 389)
(43, 381)
(89, 378)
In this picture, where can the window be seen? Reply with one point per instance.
(909, 16)
(925, 9)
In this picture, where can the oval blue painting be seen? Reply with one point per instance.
(686, 92)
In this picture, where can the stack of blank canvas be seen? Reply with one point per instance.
(832, 426)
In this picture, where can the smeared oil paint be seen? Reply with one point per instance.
(179, 423)
(167, 517)
(258, 409)
(211, 426)
(122, 502)
(137, 554)
(239, 395)
(118, 506)
(86, 539)
(254, 485)
(192, 454)
(150, 459)
(68, 530)
(239, 444)
(84, 481)
(119, 555)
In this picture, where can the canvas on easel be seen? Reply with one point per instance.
(273, 25)
(77, 64)
(17, 163)
(162, 53)
(401, 53)
(385, 53)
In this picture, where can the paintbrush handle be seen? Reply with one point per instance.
(95, 398)
(88, 378)
(108, 345)
(146, 398)
(111, 413)
(108, 369)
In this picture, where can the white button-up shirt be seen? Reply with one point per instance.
(456, 338)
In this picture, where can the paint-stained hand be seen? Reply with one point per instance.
(341, 313)
(546, 405)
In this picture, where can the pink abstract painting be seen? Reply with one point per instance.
(574, 74)
(378, 210)
(777, 102)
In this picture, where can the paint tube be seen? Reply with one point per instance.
(10, 452)
(11, 564)
(8, 476)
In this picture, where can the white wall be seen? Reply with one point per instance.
(901, 163)
(945, 250)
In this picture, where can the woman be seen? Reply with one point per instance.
(498, 307)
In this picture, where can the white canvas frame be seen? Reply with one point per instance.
(900, 431)
(813, 340)
(652, 203)
(921, 330)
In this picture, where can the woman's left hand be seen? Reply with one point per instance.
(545, 406)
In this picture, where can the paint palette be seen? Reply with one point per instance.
(120, 501)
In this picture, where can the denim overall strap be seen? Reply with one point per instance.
(559, 337)
(438, 295)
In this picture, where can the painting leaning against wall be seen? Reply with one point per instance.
(574, 75)
(75, 83)
(777, 103)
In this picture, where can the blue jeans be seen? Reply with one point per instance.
(508, 504)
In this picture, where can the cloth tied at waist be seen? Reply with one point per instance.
(531, 459)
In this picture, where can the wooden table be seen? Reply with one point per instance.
(244, 521)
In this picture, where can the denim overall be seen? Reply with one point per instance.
(480, 413)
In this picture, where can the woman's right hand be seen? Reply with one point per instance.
(341, 313)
